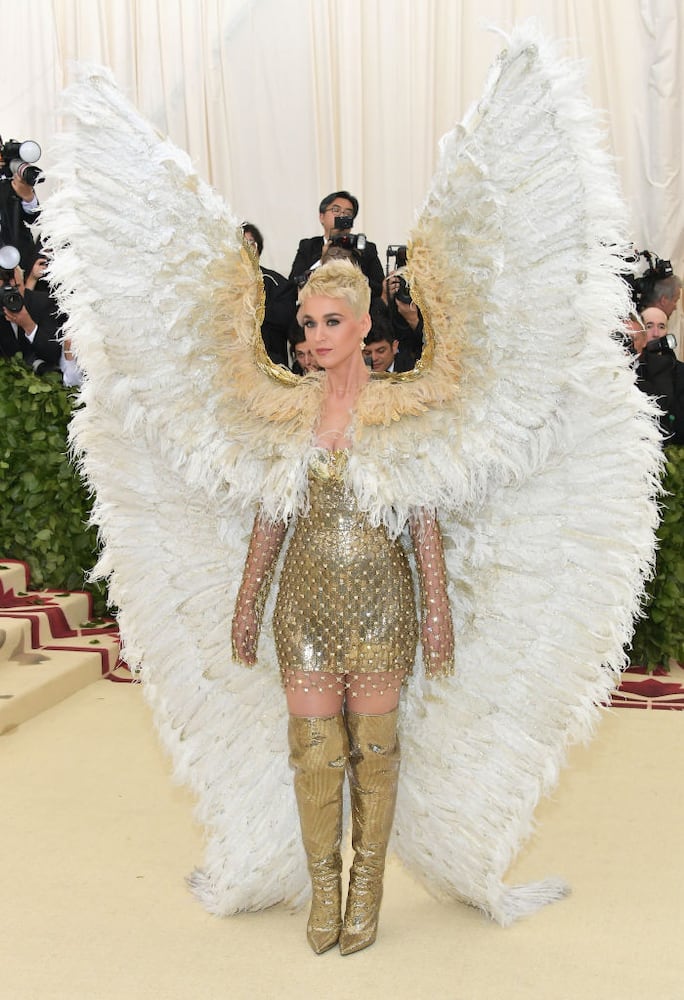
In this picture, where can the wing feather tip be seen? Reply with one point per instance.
(511, 903)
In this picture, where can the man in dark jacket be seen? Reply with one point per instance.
(29, 322)
(18, 209)
(280, 302)
(660, 373)
(336, 213)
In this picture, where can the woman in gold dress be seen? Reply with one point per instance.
(346, 629)
(183, 434)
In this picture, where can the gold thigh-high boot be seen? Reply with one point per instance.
(319, 749)
(374, 772)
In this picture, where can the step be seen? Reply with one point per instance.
(49, 646)
(26, 689)
(48, 615)
(14, 576)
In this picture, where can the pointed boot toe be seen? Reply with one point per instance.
(322, 940)
(351, 942)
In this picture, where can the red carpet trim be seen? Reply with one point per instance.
(49, 615)
(662, 689)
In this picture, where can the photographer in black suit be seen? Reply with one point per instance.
(381, 348)
(660, 373)
(18, 201)
(664, 294)
(29, 324)
(280, 305)
(337, 212)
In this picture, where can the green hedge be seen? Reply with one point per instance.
(44, 506)
(660, 636)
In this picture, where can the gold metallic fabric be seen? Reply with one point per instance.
(345, 602)
(319, 749)
(373, 777)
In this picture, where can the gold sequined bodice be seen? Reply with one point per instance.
(345, 600)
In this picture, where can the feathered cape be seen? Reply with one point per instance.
(522, 427)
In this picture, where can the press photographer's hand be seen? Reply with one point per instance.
(24, 190)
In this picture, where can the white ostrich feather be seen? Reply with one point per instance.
(525, 431)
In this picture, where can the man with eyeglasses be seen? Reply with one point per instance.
(335, 212)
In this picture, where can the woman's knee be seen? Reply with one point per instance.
(313, 695)
(373, 694)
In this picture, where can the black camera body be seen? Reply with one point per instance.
(343, 222)
(642, 280)
(665, 343)
(10, 297)
(350, 241)
(399, 253)
(19, 157)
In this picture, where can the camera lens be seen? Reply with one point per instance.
(11, 299)
(26, 172)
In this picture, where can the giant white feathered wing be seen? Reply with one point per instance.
(527, 428)
(163, 304)
(556, 461)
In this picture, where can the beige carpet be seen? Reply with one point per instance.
(96, 840)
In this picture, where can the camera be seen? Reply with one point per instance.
(10, 297)
(19, 158)
(350, 241)
(301, 279)
(666, 343)
(26, 172)
(39, 366)
(343, 222)
(642, 277)
(400, 255)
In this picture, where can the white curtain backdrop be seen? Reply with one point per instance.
(279, 102)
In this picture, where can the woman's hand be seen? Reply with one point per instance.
(264, 546)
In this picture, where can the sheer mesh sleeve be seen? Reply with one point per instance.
(437, 630)
(262, 555)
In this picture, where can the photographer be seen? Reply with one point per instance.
(18, 201)
(404, 315)
(664, 294)
(29, 324)
(651, 281)
(304, 360)
(280, 303)
(381, 350)
(659, 373)
(336, 213)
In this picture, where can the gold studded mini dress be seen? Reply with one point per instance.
(345, 600)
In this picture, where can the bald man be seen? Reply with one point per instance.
(660, 374)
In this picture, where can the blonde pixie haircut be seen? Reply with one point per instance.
(339, 279)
